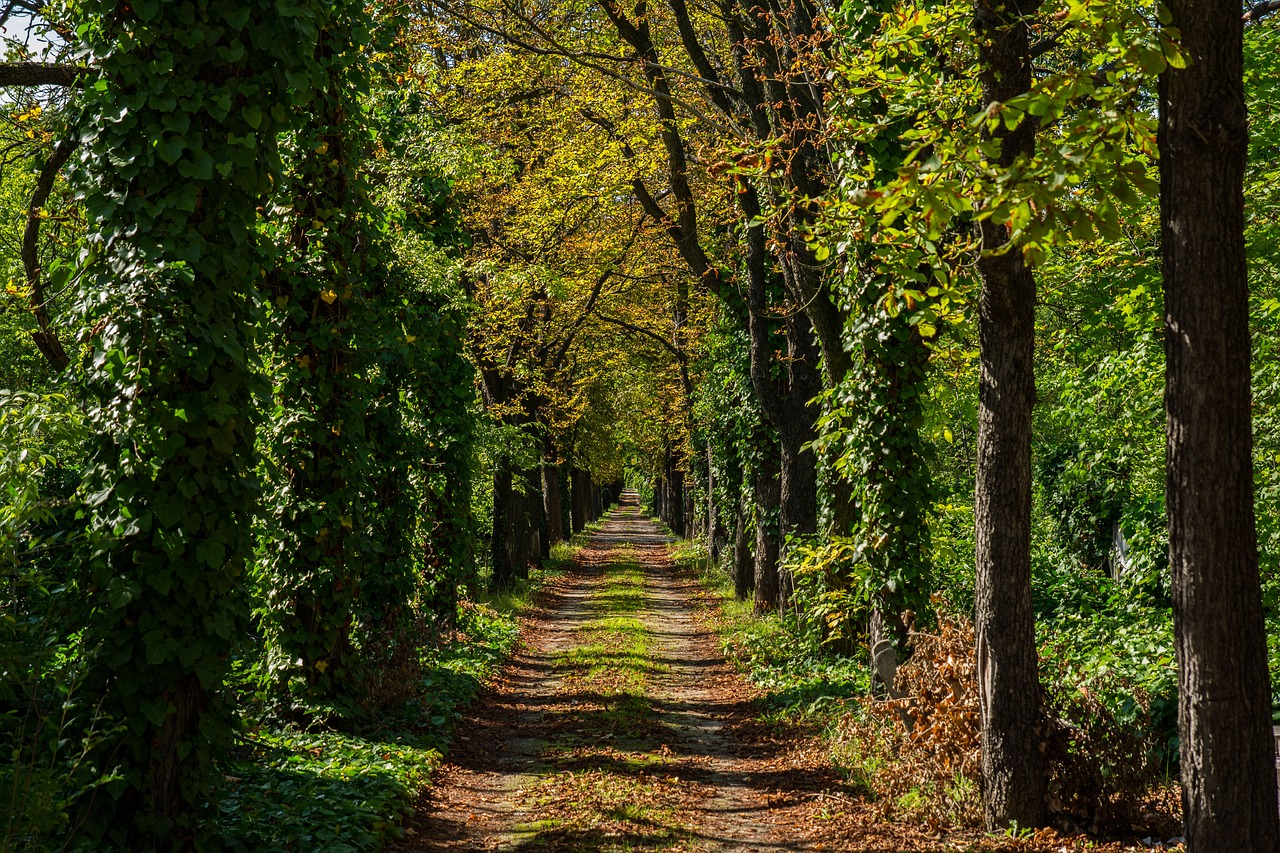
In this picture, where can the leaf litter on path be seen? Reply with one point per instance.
(618, 725)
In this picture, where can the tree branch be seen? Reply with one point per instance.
(41, 74)
(47, 337)
(1260, 10)
(641, 330)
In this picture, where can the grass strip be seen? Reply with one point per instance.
(611, 793)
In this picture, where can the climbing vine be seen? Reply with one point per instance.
(316, 449)
(180, 123)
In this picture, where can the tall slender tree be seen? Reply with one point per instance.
(1228, 763)
(317, 546)
(1014, 785)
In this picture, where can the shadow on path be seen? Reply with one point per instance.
(560, 756)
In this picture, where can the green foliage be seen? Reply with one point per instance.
(1085, 495)
(1121, 656)
(871, 432)
(44, 739)
(179, 123)
(288, 789)
(321, 792)
(787, 658)
(726, 416)
(368, 445)
(318, 448)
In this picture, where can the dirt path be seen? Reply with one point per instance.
(619, 726)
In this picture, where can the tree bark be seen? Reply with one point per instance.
(503, 539)
(768, 495)
(46, 337)
(798, 512)
(552, 510)
(1014, 783)
(580, 498)
(530, 545)
(675, 506)
(744, 579)
(1224, 703)
(41, 74)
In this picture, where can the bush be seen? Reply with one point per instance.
(919, 754)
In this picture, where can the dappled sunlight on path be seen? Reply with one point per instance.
(619, 726)
(609, 729)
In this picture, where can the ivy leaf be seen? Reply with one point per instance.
(170, 150)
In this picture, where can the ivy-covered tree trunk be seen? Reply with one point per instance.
(889, 489)
(1013, 776)
(1224, 695)
(316, 544)
(171, 174)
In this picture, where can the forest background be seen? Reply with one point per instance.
(326, 322)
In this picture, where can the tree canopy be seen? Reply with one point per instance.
(325, 323)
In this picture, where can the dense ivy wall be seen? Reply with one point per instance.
(180, 125)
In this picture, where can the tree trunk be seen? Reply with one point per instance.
(529, 523)
(768, 496)
(798, 513)
(503, 539)
(562, 482)
(744, 579)
(676, 507)
(692, 524)
(715, 524)
(783, 398)
(1014, 783)
(551, 504)
(1224, 702)
(580, 498)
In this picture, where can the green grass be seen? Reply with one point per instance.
(615, 652)
(609, 793)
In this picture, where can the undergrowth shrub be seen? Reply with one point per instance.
(919, 755)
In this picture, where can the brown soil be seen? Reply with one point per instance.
(542, 763)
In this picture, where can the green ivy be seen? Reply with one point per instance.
(180, 125)
(316, 543)
(368, 444)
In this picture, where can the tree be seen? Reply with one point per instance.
(172, 173)
(1228, 762)
(1014, 784)
(315, 546)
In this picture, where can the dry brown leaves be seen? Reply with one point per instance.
(919, 755)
